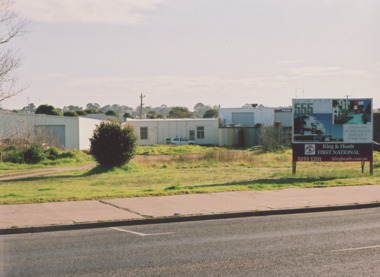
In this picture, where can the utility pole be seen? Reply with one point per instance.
(141, 105)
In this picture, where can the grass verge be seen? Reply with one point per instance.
(227, 170)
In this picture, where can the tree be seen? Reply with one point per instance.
(80, 112)
(151, 115)
(72, 108)
(127, 115)
(113, 144)
(112, 113)
(70, 113)
(163, 109)
(200, 109)
(30, 108)
(47, 109)
(180, 112)
(94, 106)
(212, 113)
(92, 111)
(10, 26)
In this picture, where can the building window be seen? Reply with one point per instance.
(192, 134)
(143, 132)
(200, 132)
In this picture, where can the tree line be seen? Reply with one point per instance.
(199, 111)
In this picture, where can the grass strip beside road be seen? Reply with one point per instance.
(213, 172)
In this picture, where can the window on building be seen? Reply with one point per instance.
(200, 132)
(143, 132)
(192, 134)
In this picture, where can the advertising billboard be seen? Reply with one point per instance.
(332, 129)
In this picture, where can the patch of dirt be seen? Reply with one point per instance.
(42, 171)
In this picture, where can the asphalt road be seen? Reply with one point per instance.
(345, 243)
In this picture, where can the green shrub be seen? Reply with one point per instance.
(67, 154)
(113, 144)
(52, 153)
(34, 154)
(16, 157)
(70, 113)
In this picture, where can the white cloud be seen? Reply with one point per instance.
(129, 12)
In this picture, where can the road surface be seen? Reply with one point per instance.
(344, 243)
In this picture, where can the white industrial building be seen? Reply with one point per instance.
(246, 117)
(66, 132)
(284, 116)
(155, 131)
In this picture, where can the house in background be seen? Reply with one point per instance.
(155, 131)
(242, 126)
(62, 131)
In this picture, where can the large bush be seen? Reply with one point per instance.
(47, 109)
(113, 144)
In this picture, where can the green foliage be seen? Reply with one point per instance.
(70, 113)
(213, 113)
(127, 115)
(47, 109)
(16, 157)
(34, 154)
(92, 111)
(180, 112)
(113, 113)
(52, 153)
(80, 112)
(113, 144)
(67, 155)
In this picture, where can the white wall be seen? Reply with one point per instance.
(161, 129)
(76, 135)
(86, 130)
(285, 118)
(263, 116)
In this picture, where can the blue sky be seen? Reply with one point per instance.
(181, 52)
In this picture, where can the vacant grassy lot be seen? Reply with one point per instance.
(176, 170)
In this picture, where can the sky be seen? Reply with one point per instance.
(182, 52)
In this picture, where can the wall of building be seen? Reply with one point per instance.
(161, 129)
(76, 136)
(261, 115)
(285, 116)
(86, 131)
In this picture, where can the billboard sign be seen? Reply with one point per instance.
(332, 129)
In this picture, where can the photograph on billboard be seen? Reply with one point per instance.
(332, 129)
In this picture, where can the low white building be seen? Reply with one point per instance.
(246, 117)
(284, 116)
(63, 131)
(155, 131)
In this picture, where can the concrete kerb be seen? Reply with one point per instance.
(175, 219)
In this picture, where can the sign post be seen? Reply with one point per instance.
(332, 130)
